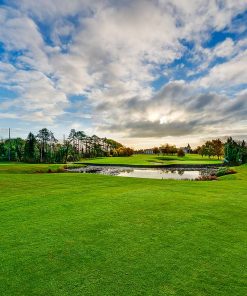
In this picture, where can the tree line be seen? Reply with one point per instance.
(45, 148)
(234, 152)
(209, 149)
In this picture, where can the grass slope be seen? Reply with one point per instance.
(79, 234)
(144, 159)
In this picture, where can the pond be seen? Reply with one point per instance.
(160, 174)
(150, 173)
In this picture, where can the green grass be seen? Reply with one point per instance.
(83, 234)
(145, 160)
(21, 168)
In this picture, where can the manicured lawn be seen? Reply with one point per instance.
(83, 234)
(144, 159)
(20, 168)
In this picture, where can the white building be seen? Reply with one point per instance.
(148, 151)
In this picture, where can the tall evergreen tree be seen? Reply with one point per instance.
(29, 150)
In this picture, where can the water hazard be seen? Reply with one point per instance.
(161, 174)
(150, 173)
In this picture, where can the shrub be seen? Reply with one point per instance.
(225, 171)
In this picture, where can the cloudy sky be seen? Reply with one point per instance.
(142, 72)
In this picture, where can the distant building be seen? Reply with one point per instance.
(148, 151)
(186, 149)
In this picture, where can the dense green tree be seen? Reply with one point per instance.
(113, 144)
(19, 145)
(209, 149)
(235, 152)
(30, 148)
(2, 151)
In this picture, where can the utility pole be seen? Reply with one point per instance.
(9, 144)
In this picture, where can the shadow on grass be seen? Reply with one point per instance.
(168, 158)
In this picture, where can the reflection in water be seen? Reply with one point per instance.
(152, 173)
(159, 174)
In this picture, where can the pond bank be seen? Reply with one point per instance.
(170, 166)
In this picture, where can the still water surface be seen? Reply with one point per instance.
(160, 174)
(150, 173)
